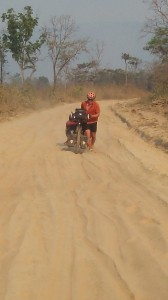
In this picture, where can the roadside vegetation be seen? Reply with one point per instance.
(24, 92)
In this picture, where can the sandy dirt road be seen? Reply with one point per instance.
(90, 226)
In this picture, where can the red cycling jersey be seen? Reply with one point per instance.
(92, 108)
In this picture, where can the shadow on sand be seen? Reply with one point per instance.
(71, 149)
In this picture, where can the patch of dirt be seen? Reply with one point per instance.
(88, 226)
(149, 120)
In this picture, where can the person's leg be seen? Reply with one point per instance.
(93, 138)
(89, 139)
(93, 133)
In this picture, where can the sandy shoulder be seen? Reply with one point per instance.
(148, 120)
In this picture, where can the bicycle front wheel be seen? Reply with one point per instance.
(78, 138)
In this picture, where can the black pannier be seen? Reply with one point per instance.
(80, 115)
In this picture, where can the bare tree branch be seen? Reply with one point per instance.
(62, 45)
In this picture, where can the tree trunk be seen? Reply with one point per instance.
(126, 73)
(55, 78)
(1, 72)
(22, 74)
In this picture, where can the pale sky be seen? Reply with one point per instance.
(83, 10)
(95, 19)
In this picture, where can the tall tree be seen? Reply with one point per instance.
(157, 26)
(18, 39)
(126, 57)
(62, 45)
(97, 54)
(3, 60)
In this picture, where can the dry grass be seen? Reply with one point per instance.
(78, 93)
(14, 100)
(120, 92)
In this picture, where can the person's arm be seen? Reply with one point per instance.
(94, 115)
(97, 114)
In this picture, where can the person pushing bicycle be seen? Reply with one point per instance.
(93, 109)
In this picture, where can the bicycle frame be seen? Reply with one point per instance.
(77, 140)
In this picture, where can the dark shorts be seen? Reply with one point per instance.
(92, 127)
